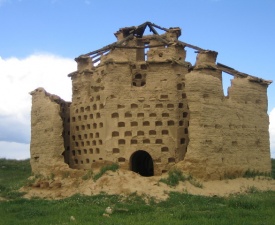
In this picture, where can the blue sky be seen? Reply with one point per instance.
(40, 39)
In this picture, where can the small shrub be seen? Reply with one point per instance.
(174, 177)
(88, 175)
(113, 167)
(252, 189)
(65, 174)
(195, 183)
(254, 173)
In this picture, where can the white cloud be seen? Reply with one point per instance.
(13, 150)
(272, 132)
(21, 76)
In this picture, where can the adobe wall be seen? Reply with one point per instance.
(127, 104)
(227, 135)
(49, 133)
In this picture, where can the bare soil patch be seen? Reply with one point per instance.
(124, 182)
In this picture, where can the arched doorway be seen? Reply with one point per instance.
(142, 163)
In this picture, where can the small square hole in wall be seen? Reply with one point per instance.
(115, 134)
(152, 115)
(134, 106)
(165, 149)
(165, 114)
(134, 124)
(128, 133)
(146, 123)
(114, 115)
(184, 114)
(97, 150)
(159, 141)
(128, 114)
(171, 160)
(121, 124)
(164, 132)
(146, 141)
(133, 141)
(159, 106)
(121, 159)
(158, 123)
(170, 123)
(115, 150)
(140, 133)
(121, 142)
(152, 132)
(91, 151)
(140, 115)
(170, 106)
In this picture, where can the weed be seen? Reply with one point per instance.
(254, 173)
(65, 174)
(195, 183)
(113, 167)
(252, 189)
(174, 177)
(88, 175)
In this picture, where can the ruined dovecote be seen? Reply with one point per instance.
(138, 103)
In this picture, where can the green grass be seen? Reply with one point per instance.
(181, 208)
(113, 167)
(273, 168)
(13, 175)
(175, 176)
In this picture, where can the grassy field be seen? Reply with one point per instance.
(252, 208)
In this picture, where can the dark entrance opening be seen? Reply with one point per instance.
(142, 163)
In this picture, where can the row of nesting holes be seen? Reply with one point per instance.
(88, 143)
(85, 151)
(120, 159)
(141, 133)
(147, 123)
(85, 117)
(85, 136)
(88, 126)
(158, 106)
(146, 141)
(88, 108)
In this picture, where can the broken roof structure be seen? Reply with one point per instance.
(138, 103)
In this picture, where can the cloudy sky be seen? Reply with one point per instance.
(40, 39)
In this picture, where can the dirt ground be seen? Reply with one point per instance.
(123, 182)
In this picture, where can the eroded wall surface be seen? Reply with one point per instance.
(138, 101)
(48, 141)
(127, 104)
(228, 135)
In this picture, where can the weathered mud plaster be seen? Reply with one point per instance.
(138, 103)
(49, 133)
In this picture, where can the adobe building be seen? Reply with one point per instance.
(138, 103)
